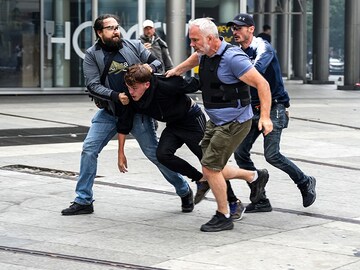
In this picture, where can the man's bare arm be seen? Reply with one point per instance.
(122, 162)
(191, 62)
(254, 79)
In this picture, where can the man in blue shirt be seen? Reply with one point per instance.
(225, 72)
(264, 59)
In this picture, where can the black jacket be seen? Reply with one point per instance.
(164, 100)
(160, 49)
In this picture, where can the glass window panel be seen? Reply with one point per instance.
(127, 10)
(156, 11)
(221, 11)
(19, 43)
(66, 37)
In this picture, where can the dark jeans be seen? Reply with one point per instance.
(271, 146)
(189, 131)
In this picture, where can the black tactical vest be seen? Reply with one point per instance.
(216, 94)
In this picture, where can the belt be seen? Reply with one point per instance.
(273, 103)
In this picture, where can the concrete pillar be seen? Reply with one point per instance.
(243, 4)
(270, 19)
(258, 16)
(321, 21)
(298, 54)
(175, 29)
(141, 17)
(352, 41)
(94, 15)
(61, 66)
(282, 40)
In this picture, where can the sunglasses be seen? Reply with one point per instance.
(237, 27)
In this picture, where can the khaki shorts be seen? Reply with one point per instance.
(220, 142)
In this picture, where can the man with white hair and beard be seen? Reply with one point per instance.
(225, 72)
(104, 66)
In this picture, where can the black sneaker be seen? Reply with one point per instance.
(237, 210)
(187, 202)
(261, 206)
(218, 223)
(308, 192)
(258, 186)
(78, 209)
(202, 189)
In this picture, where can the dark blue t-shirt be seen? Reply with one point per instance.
(263, 57)
(116, 72)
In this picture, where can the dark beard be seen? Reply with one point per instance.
(111, 45)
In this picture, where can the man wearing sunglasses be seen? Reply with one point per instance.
(104, 66)
(264, 58)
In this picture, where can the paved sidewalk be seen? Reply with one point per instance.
(137, 223)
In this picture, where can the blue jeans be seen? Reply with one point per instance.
(102, 130)
(271, 146)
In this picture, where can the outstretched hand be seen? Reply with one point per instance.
(172, 72)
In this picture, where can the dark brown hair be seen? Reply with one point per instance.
(99, 22)
(137, 73)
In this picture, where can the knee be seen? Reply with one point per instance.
(163, 155)
(207, 173)
(241, 152)
(150, 155)
(273, 157)
(160, 156)
(238, 155)
(90, 149)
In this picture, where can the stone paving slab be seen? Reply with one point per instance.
(137, 219)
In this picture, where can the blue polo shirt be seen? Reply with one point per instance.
(233, 64)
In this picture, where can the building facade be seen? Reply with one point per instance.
(42, 42)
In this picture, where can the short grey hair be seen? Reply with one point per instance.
(206, 26)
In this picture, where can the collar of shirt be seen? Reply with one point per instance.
(221, 48)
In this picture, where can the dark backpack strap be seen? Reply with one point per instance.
(101, 103)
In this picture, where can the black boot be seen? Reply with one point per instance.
(187, 202)
(308, 192)
(78, 209)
